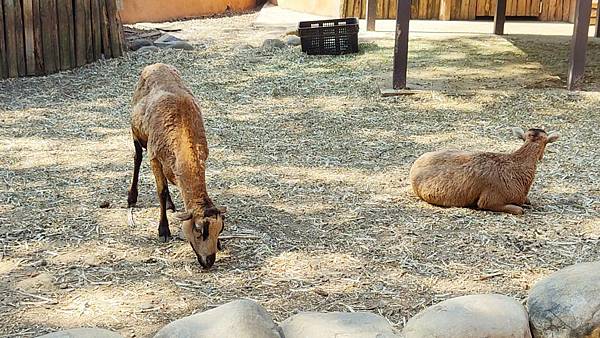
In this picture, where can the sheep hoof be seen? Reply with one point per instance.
(164, 238)
(513, 209)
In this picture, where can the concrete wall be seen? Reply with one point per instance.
(319, 7)
(133, 11)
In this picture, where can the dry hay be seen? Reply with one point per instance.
(312, 164)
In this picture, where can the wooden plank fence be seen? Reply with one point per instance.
(544, 10)
(39, 37)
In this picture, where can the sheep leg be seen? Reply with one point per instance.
(161, 187)
(132, 194)
(170, 204)
(508, 208)
(487, 202)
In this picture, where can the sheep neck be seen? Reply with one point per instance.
(528, 154)
(190, 172)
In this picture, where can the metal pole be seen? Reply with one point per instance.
(371, 14)
(583, 10)
(500, 17)
(401, 46)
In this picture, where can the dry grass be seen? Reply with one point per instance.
(311, 161)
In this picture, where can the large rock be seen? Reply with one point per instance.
(42, 282)
(567, 303)
(166, 39)
(237, 319)
(179, 45)
(336, 325)
(139, 43)
(292, 40)
(273, 44)
(475, 316)
(83, 333)
(146, 49)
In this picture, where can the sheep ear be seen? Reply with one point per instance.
(222, 210)
(553, 136)
(518, 132)
(183, 216)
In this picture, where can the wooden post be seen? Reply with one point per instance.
(50, 36)
(96, 32)
(371, 14)
(500, 17)
(116, 39)
(104, 27)
(64, 34)
(28, 27)
(20, 31)
(11, 38)
(401, 46)
(89, 43)
(3, 59)
(583, 11)
(597, 32)
(38, 39)
(80, 44)
(445, 10)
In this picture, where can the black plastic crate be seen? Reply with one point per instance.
(329, 37)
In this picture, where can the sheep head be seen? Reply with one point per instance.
(202, 230)
(537, 136)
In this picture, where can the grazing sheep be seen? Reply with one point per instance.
(167, 121)
(490, 181)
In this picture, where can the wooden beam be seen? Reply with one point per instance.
(401, 46)
(445, 10)
(500, 17)
(10, 38)
(28, 28)
(597, 32)
(583, 11)
(3, 59)
(371, 14)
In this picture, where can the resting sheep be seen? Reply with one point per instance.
(167, 121)
(490, 181)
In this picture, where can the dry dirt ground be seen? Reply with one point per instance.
(312, 164)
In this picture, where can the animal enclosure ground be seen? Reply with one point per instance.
(312, 164)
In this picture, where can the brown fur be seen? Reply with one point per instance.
(491, 181)
(167, 121)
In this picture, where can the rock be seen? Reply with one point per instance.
(337, 325)
(292, 40)
(165, 40)
(567, 303)
(41, 282)
(237, 319)
(148, 49)
(293, 30)
(179, 45)
(105, 204)
(83, 333)
(475, 316)
(243, 47)
(91, 260)
(139, 43)
(273, 44)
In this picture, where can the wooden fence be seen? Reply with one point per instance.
(39, 37)
(544, 10)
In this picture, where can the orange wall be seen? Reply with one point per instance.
(133, 11)
(319, 7)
